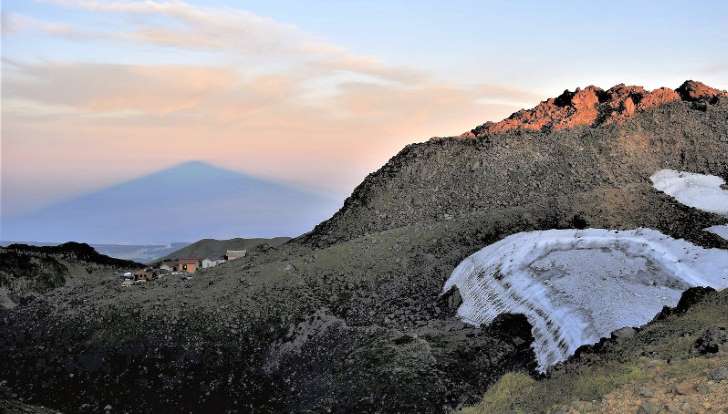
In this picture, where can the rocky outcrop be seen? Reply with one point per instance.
(450, 178)
(689, 298)
(696, 91)
(593, 106)
(712, 341)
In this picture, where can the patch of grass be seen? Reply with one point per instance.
(518, 393)
(505, 395)
(690, 366)
(591, 386)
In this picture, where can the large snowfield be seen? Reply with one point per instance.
(577, 286)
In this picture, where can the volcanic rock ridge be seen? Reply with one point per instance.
(593, 106)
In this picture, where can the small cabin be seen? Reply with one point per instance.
(211, 262)
(235, 254)
(187, 265)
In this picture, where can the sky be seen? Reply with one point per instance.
(313, 93)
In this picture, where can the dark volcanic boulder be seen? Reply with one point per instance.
(689, 298)
(712, 341)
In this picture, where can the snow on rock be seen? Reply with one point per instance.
(721, 231)
(703, 192)
(577, 286)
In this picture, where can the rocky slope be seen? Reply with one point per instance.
(351, 317)
(510, 165)
(217, 248)
(27, 271)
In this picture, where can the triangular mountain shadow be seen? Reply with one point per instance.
(189, 201)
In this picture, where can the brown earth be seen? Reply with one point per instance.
(693, 392)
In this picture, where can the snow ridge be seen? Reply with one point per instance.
(577, 286)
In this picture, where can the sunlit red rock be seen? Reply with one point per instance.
(695, 91)
(593, 106)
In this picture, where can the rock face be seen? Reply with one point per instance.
(697, 91)
(593, 106)
(539, 167)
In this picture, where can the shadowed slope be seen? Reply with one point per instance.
(216, 248)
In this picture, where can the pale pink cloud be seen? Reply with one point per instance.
(107, 87)
(122, 119)
(300, 109)
(13, 23)
(237, 31)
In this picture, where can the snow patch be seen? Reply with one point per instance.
(577, 286)
(721, 231)
(703, 192)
